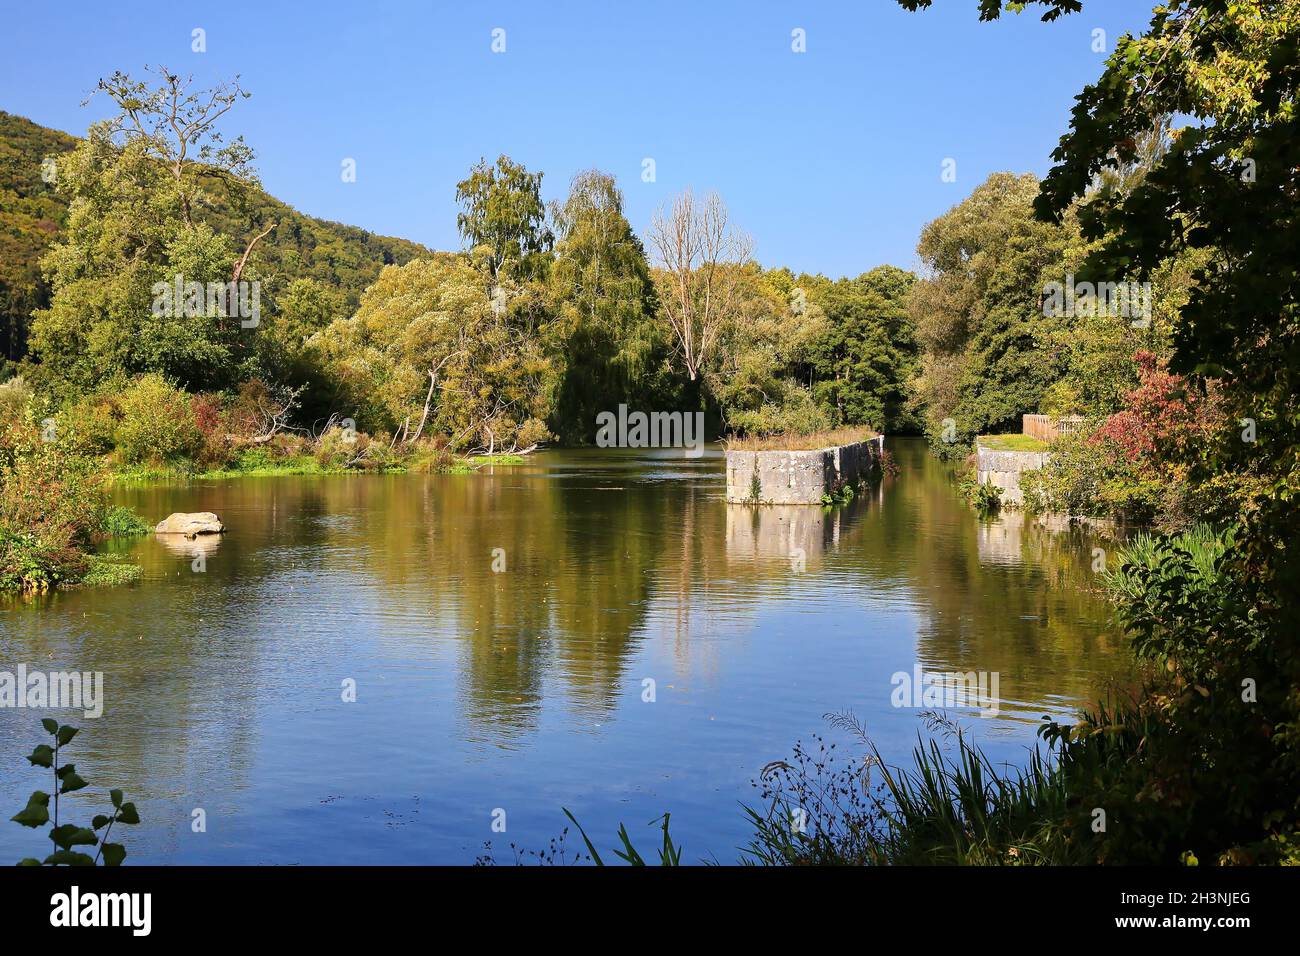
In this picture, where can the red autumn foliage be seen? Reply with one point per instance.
(207, 413)
(1165, 416)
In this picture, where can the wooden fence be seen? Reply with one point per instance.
(1047, 428)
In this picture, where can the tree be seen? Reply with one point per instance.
(1220, 621)
(428, 354)
(761, 361)
(699, 290)
(1228, 186)
(867, 351)
(135, 184)
(979, 308)
(602, 298)
(502, 214)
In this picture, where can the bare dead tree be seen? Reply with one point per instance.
(274, 412)
(428, 398)
(700, 255)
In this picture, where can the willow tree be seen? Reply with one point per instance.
(603, 306)
(427, 354)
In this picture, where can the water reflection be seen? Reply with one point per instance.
(501, 629)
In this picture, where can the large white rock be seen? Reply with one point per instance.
(190, 524)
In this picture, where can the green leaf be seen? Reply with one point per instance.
(66, 733)
(127, 814)
(50, 724)
(100, 821)
(116, 797)
(29, 861)
(628, 852)
(42, 756)
(72, 782)
(69, 858)
(595, 857)
(70, 835)
(36, 813)
(114, 854)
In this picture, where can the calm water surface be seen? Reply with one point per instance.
(523, 690)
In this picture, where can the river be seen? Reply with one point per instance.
(596, 629)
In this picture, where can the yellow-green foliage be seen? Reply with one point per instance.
(157, 425)
(436, 316)
(51, 504)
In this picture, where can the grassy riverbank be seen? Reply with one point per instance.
(307, 465)
(1015, 442)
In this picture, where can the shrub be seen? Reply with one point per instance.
(380, 456)
(15, 397)
(338, 448)
(796, 413)
(986, 497)
(219, 444)
(89, 425)
(157, 424)
(429, 458)
(258, 458)
(51, 504)
(121, 522)
(1216, 705)
(1092, 478)
(532, 432)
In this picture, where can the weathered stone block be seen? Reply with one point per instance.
(797, 477)
(1002, 469)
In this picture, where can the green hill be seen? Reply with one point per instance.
(32, 212)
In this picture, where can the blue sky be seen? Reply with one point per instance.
(830, 159)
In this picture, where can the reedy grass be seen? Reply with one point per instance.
(812, 441)
(1012, 442)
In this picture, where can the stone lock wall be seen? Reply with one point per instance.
(1003, 469)
(796, 477)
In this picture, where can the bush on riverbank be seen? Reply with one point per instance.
(147, 428)
(157, 424)
(1088, 478)
(52, 511)
(1134, 466)
(1219, 704)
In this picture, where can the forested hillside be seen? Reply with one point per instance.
(32, 211)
